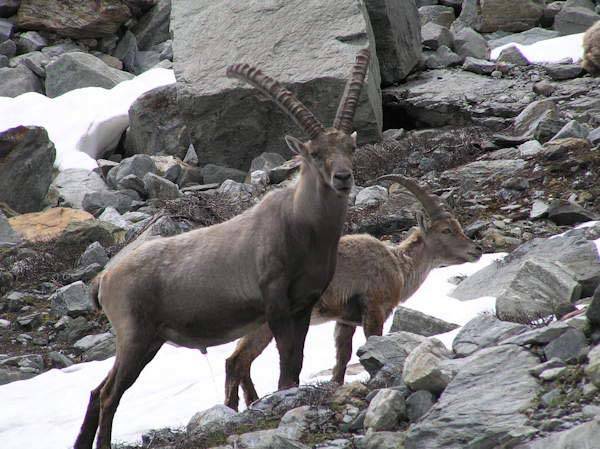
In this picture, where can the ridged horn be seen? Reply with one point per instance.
(431, 203)
(345, 113)
(280, 96)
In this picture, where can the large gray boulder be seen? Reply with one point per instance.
(308, 45)
(388, 350)
(71, 185)
(78, 19)
(153, 27)
(526, 37)
(468, 42)
(487, 16)
(73, 299)
(26, 161)
(386, 410)
(9, 7)
(475, 173)
(583, 436)
(122, 200)
(210, 420)
(155, 126)
(484, 331)
(75, 70)
(437, 98)
(575, 251)
(574, 19)
(527, 124)
(482, 405)
(18, 80)
(539, 289)
(397, 29)
(424, 368)
(409, 320)
(442, 15)
(137, 165)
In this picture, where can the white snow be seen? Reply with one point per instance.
(84, 123)
(45, 412)
(549, 50)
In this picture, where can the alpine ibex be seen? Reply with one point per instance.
(591, 50)
(213, 285)
(370, 280)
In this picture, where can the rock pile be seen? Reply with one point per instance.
(53, 47)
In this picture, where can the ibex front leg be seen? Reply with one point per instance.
(290, 334)
(289, 329)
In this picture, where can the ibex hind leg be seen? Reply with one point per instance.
(237, 366)
(132, 356)
(343, 350)
(87, 433)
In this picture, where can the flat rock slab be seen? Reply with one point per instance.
(487, 16)
(480, 408)
(409, 320)
(71, 185)
(442, 97)
(584, 436)
(478, 172)
(484, 331)
(75, 70)
(575, 250)
(308, 45)
(77, 19)
(47, 225)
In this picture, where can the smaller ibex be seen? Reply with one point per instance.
(370, 280)
(591, 50)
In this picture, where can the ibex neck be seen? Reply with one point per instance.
(317, 207)
(415, 260)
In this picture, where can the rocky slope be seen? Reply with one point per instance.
(511, 146)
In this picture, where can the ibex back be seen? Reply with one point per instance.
(370, 280)
(213, 285)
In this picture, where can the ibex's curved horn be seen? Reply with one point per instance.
(281, 96)
(347, 108)
(431, 203)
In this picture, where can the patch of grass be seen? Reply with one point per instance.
(33, 263)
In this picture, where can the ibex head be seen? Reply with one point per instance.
(444, 233)
(329, 150)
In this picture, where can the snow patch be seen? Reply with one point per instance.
(84, 123)
(549, 50)
(45, 412)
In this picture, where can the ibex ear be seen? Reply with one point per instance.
(353, 136)
(421, 221)
(296, 146)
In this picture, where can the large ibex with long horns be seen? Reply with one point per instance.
(370, 280)
(213, 285)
